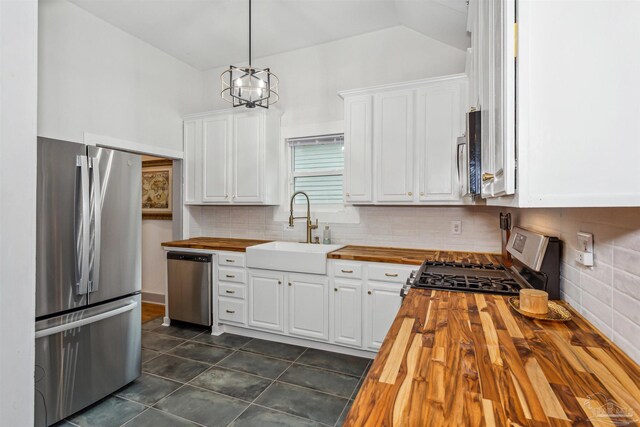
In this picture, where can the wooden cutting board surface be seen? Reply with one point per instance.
(215, 243)
(409, 256)
(464, 359)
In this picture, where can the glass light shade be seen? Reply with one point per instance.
(251, 87)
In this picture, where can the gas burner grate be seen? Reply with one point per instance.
(465, 265)
(499, 285)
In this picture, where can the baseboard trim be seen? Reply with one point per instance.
(252, 333)
(153, 298)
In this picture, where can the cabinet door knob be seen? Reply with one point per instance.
(422, 193)
(226, 196)
(335, 289)
(348, 195)
(289, 283)
(487, 177)
(410, 193)
(369, 292)
(279, 282)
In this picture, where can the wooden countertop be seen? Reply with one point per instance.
(215, 243)
(460, 359)
(408, 256)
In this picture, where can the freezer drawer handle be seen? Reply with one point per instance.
(86, 321)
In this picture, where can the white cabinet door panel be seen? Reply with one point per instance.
(393, 139)
(216, 151)
(383, 302)
(347, 312)
(193, 161)
(266, 309)
(437, 129)
(248, 155)
(358, 144)
(309, 306)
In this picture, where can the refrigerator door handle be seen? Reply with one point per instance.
(81, 226)
(96, 215)
(86, 321)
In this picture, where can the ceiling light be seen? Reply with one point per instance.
(249, 86)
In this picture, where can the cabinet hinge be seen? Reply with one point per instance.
(515, 39)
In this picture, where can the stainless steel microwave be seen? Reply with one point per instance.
(470, 157)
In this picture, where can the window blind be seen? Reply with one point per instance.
(317, 167)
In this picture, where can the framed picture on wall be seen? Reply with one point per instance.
(157, 181)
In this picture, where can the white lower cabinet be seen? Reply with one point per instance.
(347, 312)
(354, 305)
(266, 300)
(308, 297)
(382, 304)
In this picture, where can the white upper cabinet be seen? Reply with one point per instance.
(216, 148)
(439, 123)
(401, 142)
(358, 147)
(231, 157)
(248, 158)
(192, 163)
(393, 119)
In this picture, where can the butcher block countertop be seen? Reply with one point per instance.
(464, 359)
(215, 244)
(408, 256)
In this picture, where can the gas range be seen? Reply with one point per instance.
(536, 265)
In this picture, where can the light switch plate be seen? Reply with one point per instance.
(585, 242)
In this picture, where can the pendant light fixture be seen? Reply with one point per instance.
(249, 86)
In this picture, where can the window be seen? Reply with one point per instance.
(317, 165)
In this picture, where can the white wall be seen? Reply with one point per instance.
(399, 226)
(608, 294)
(18, 80)
(154, 261)
(94, 77)
(310, 78)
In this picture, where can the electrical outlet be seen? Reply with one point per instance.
(585, 242)
(456, 227)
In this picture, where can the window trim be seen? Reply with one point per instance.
(327, 213)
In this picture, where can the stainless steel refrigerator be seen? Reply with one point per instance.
(88, 276)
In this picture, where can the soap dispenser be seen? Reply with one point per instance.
(326, 235)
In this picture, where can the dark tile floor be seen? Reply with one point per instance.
(191, 378)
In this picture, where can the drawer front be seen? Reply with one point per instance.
(231, 310)
(389, 273)
(231, 259)
(232, 290)
(232, 275)
(347, 269)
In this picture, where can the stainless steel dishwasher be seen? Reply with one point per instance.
(189, 287)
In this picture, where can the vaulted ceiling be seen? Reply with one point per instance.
(213, 33)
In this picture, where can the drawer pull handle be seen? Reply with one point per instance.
(231, 311)
(347, 271)
(230, 260)
(231, 276)
(230, 292)
(391, 274)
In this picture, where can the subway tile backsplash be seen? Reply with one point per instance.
(409, 227)
(607, 294)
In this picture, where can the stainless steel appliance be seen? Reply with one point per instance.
(469, 157)
(88, 276)
(536, 264)
(189, 283)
